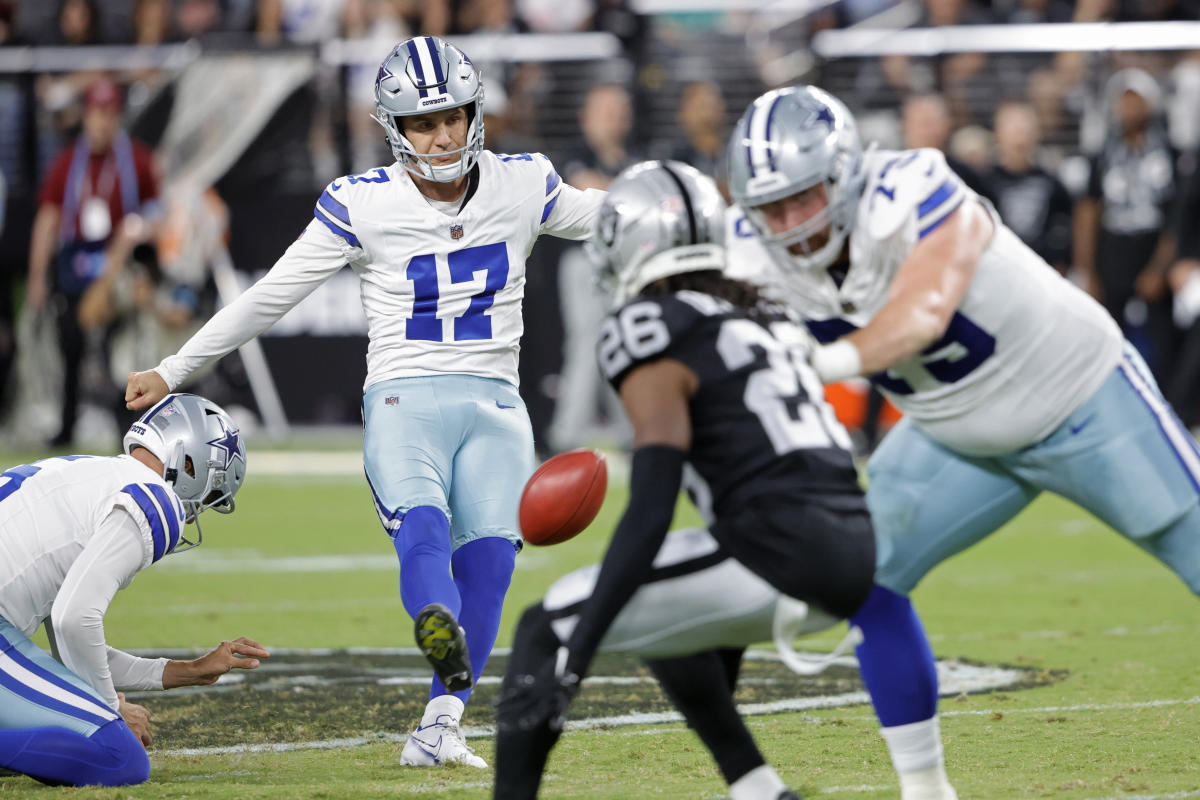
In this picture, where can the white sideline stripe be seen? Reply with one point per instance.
(1195, 793)
(343, 463)
(242, 560)
(37, 683)
(956, 678)
(643, 719)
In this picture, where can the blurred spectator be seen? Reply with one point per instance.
(197, 18)
(89, 194)
(152, 24)
(306, 21)
(605, 121)
(490, 16)
(1029, 12)
(1031, 201)
(1123, 243)
(378, 24)
(702, 116)
(78, 23)
(972, 145)
(146, 303)
(926, 123)
(1183, 390)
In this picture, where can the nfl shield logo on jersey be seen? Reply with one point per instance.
(456, 232)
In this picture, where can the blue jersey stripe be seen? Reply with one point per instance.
(940, 195)
(158, 532)
(928, 229)
(11, 683)
(552, 181)
(349, 237)
(336, 209)
(435, 60)
(169, 511)
(549, 207)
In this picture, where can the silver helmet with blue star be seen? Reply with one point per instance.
(202, 451)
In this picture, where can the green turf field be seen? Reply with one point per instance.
(1107, 642)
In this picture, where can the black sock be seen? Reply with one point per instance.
(700, 686)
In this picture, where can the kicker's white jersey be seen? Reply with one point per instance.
(51, 509)
(442, 292)
(1024, 349)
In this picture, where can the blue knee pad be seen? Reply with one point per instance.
(483, 570)
(895, 659)
(423, 545)
(112, 756)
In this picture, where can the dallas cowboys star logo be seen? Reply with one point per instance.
(229, 442)
(824, 115)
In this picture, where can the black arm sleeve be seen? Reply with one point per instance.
(656, 475)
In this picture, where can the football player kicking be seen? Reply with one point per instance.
(438, 240)
(74, 530)
(1012, 381)
(714, 377)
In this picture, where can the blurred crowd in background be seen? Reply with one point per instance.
(128, 183)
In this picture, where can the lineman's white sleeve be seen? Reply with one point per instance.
(304, 266)
(574, 213)
(109, 562)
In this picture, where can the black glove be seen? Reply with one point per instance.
(539, 701)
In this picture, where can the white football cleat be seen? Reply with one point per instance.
(438, 740)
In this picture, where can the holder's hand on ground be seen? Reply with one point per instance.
(144, 389)
(241, 653)
(136, 717)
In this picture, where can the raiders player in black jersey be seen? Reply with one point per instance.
(711, 376)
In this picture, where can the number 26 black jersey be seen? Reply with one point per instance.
(760, 423)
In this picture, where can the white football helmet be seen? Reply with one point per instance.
(421, 75)
(202, 451)
(659, 218)
(787, 141)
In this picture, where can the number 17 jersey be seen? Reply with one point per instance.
(441, 283)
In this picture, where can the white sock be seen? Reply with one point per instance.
(446, 704)
(760, 783)
(917, 755)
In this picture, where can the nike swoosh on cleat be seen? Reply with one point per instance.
(1077, 428)
(335, 185)
(429, 750)
(501, 405)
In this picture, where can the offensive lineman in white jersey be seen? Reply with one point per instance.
(1012, 381)
(439, 241)
(74, 530)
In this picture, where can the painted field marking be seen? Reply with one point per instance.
(603, 724)
(243, 560)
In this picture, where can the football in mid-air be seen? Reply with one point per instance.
(563, 496)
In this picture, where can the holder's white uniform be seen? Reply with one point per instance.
(1028, 389)
(73, 531)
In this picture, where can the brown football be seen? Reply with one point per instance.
(563, 496)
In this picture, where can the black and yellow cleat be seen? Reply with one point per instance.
(442, 641)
